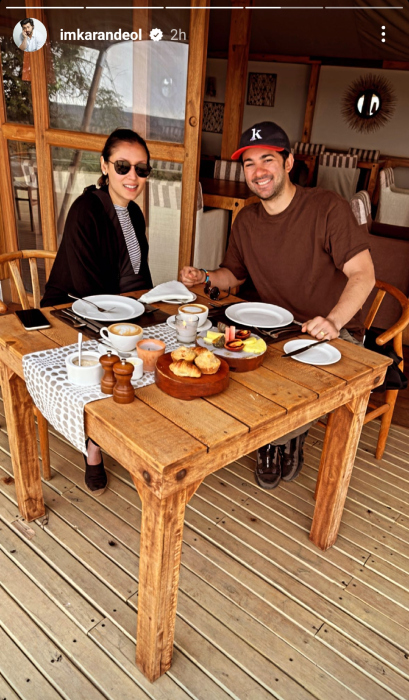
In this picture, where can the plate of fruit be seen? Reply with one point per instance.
(242, 349)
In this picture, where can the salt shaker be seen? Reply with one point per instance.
(108, 381)
(123, 389)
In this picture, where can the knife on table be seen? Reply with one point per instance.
(93, 326)
(304, 348)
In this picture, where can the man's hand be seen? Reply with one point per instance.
(321, 328)
(191, 276)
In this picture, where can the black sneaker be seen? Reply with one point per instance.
(268, 468)
(292, 457)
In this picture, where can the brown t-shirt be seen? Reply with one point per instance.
(295, 258)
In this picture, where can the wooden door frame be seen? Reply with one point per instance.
(44, 137)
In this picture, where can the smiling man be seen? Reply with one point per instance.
(304, 251)
(31, 39)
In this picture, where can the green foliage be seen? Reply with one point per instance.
(17, 91)
(70, 78)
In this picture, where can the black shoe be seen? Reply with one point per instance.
(268, 468)
(292, 457)
(96, 479)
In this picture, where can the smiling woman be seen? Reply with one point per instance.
(104, 249)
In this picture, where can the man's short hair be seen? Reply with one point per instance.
(28, 20)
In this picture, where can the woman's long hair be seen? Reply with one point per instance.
(112, 141)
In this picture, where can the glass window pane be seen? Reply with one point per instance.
(73, 171)
(16, 71)
(163, 219)
(98, 81)
(23, 162)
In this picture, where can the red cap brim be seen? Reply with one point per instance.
(236, 155)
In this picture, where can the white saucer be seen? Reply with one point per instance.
(102, 349)
(204, 327)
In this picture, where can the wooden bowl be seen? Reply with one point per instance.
(189, 388)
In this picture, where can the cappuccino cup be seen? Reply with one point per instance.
(188, 310)
(122, 336)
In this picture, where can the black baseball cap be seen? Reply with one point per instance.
(263, 135)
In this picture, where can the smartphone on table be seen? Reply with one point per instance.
(33, 319)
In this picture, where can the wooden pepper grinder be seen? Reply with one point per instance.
(108, 381)
(123, 389)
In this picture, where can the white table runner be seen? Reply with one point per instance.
(61, 402)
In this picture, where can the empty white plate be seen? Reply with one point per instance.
(259, 315)
(124, 308)
(322, 355)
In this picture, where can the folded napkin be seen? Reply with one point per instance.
(168, 290)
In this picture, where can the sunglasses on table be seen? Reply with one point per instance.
(214, 293)
(122, 167)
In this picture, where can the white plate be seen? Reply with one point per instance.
(179, 301)
(259, 314)
(125, 308)
(323, 355)
(222, 351)
(206, 326)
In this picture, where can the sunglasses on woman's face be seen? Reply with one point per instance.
(122, 167)
(214, 292)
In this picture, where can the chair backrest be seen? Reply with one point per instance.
(361, 207)
(32, 256)
(229, 170)
(30, 173)
(339, 173)
(308, 149)
(386, 178)
(394, 332)
(365, 155)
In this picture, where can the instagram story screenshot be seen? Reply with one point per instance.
(192, 198)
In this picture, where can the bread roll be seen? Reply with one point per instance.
(183, 353)
(198, 350)
(182, 368)
(207, 362)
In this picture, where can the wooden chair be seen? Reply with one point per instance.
(393, 333)
(12, 259)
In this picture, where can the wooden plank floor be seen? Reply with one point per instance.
(262, 613)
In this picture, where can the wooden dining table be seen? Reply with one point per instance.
(227, 194)
(169, 446)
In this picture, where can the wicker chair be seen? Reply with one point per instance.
(12, 259)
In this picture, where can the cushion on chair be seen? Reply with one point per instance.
(308, 149)
(386, 178)
(338, 173)
(364, 155)
(229, 170)
(361, 206)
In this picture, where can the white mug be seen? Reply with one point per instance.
(122, 335)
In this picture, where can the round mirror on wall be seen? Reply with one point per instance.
(368, 103)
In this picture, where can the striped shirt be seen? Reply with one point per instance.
(131, 240)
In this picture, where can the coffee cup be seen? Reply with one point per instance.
(122, 336)
(188, 310)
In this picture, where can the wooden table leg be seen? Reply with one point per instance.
(18, 408)
(160, 554)
(335, 470)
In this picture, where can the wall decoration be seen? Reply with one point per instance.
(368, 103)
(211, 87)
(213, 113)
(261, 89)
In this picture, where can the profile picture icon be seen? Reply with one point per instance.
(29, 34)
